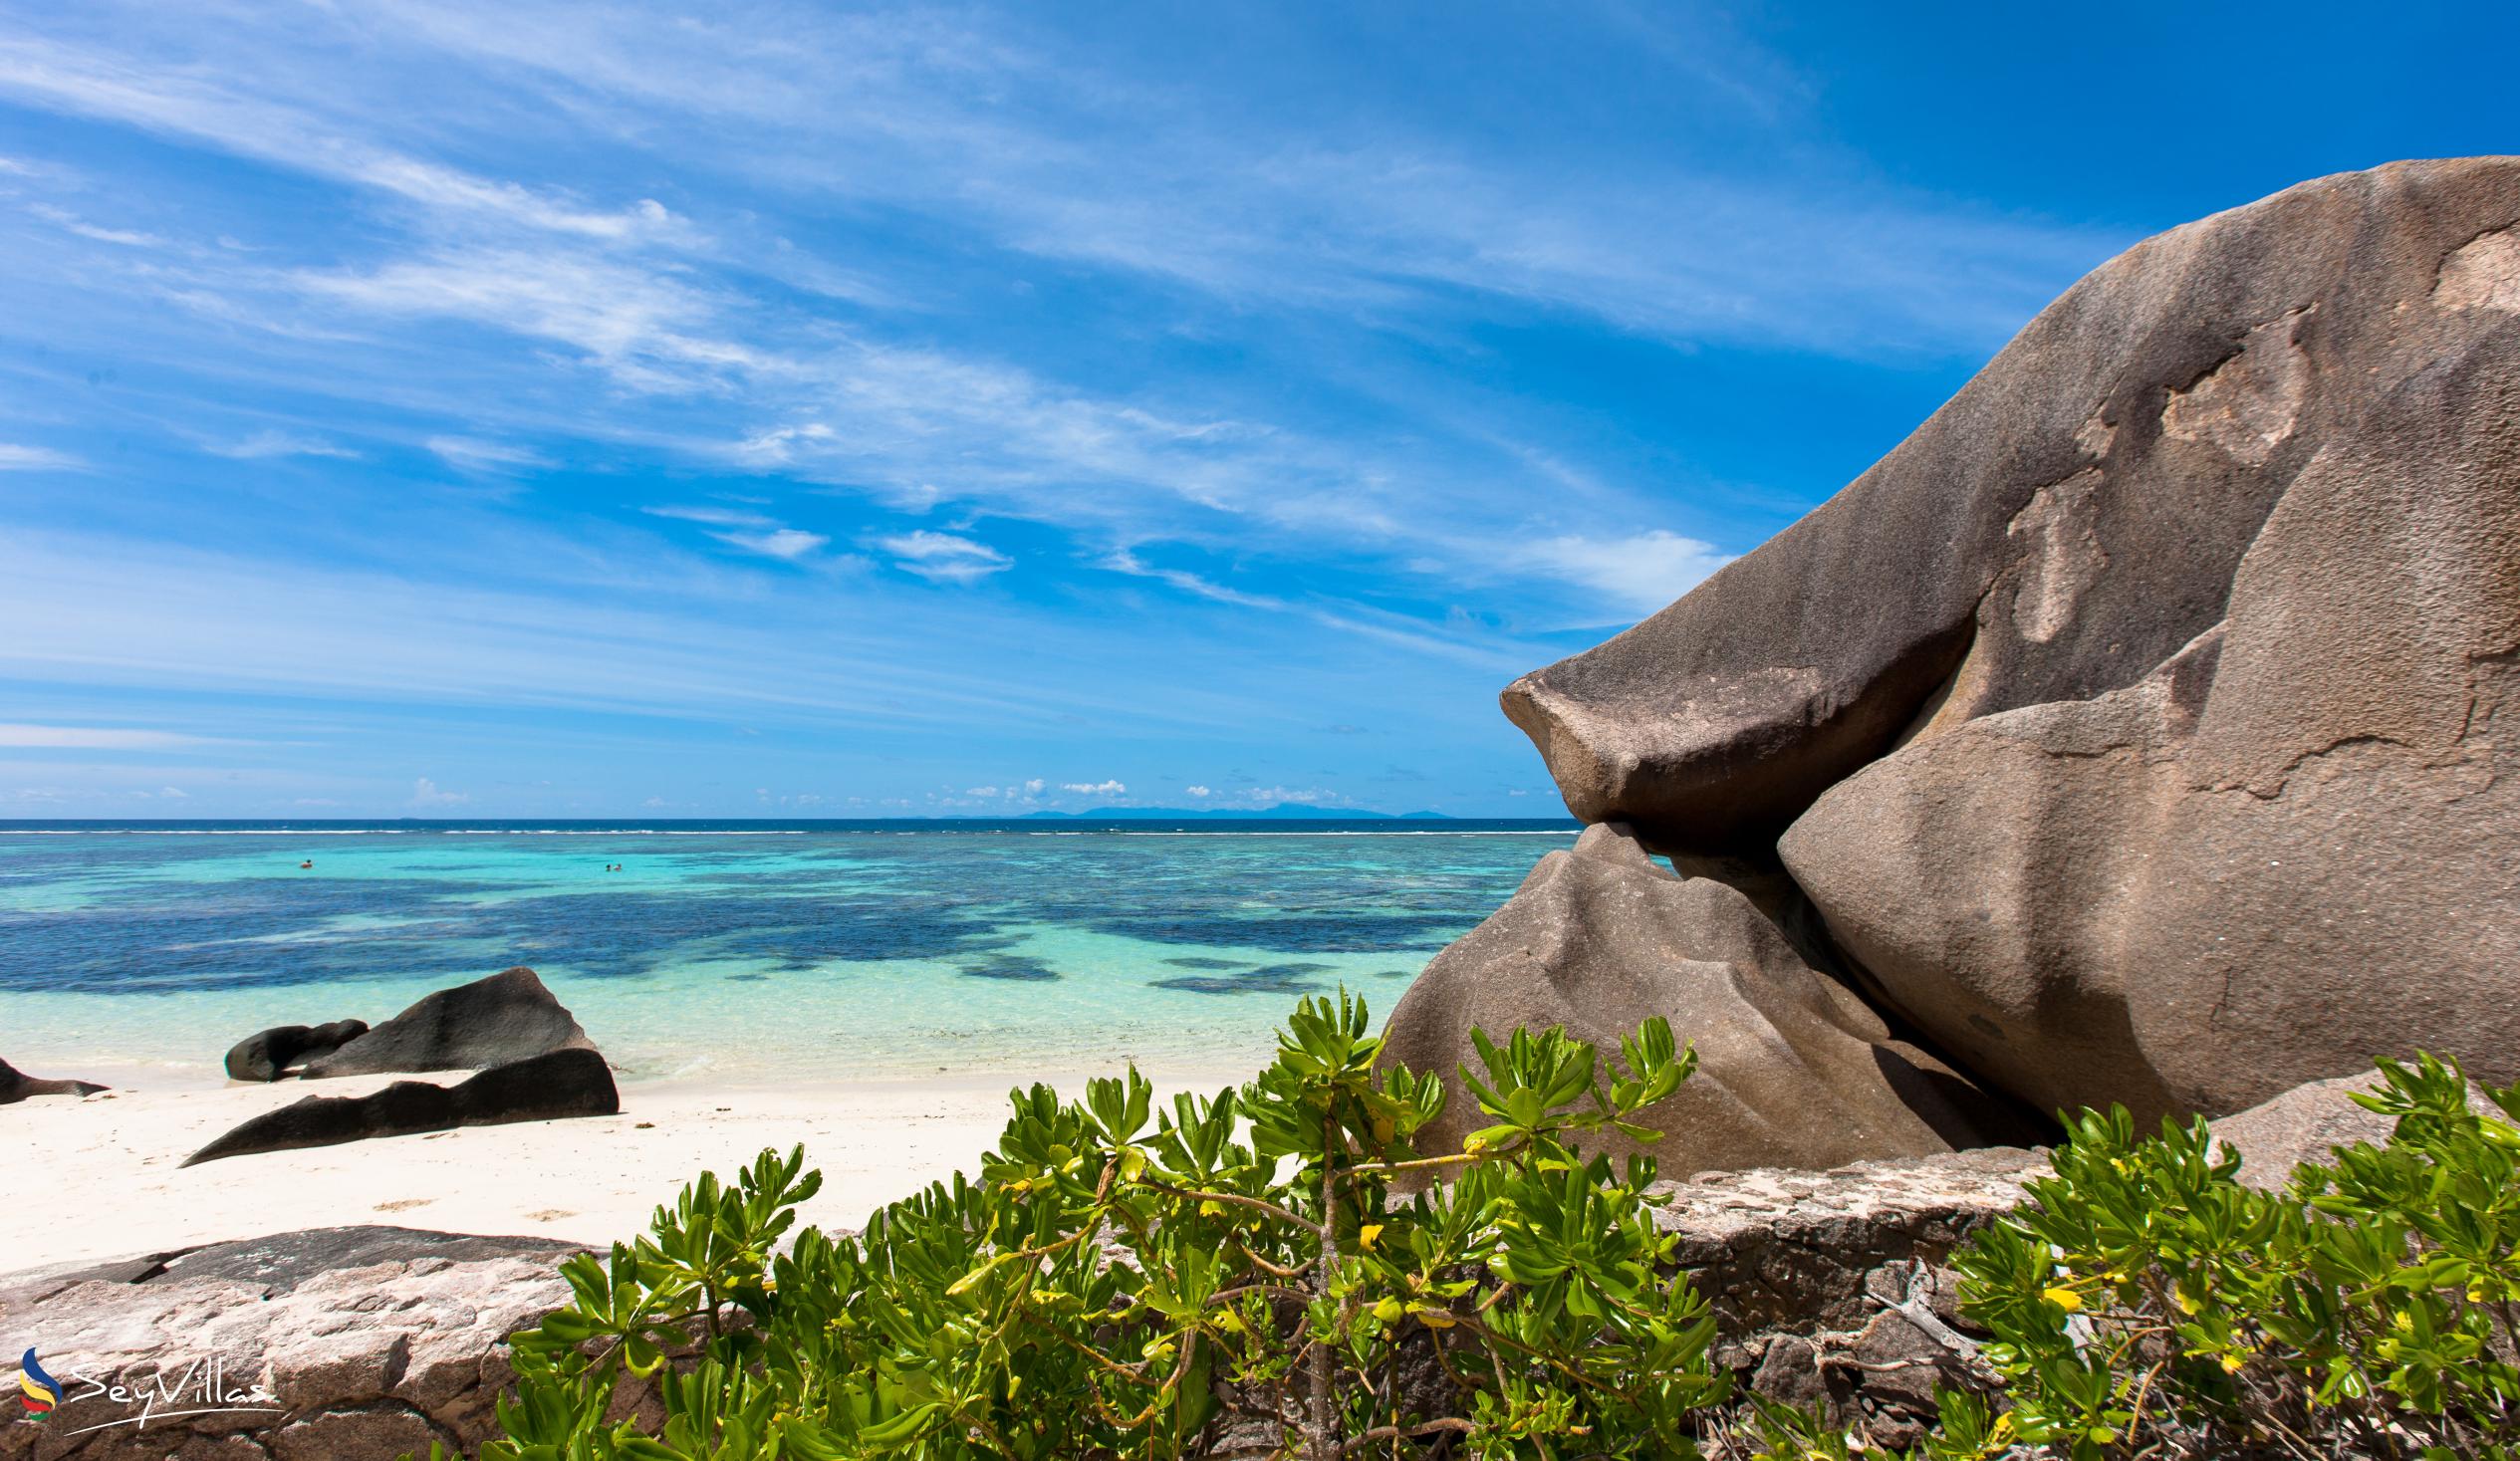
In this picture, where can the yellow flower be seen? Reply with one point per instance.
(1366, 1234)
(2231, 1364)
(2062, 1298)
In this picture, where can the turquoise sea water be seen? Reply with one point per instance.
(746, 953)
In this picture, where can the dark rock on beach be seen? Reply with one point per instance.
(560, 1083)
(505, 1018)
(2134, 732)
(16, 1085)
(271, 1054)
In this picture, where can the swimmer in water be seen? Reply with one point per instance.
(309, 862)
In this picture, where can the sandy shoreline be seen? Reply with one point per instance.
(101, 1177)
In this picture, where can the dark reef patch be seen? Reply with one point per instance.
(1279, 979)
(1327, 932)
(1010, 966)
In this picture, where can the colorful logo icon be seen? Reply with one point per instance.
(41, 1391)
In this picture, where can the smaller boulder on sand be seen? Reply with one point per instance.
(548, 1086)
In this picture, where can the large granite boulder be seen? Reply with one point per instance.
(1794, 1068)
(507, 1017)
(2134, 725)
(17, 1085)
(2072, 518)
(270, 1055)
(546, 1088)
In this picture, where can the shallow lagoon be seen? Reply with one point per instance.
(759, 954)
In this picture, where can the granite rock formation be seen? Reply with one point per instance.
(2136, 730)
(505, 1018)
(17, 1085)
(271, 1054)
(2309, 1123)
(1794, 1068)
(546, 1088)
(364, 1343)
(1836, 1287)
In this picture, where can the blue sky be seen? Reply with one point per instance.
(526, 410)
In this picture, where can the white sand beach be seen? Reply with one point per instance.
(101, 1176)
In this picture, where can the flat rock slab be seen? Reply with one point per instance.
(340, 1344)
(1794, 1250)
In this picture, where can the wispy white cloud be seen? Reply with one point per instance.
(1124, 560)
(17, 458)
(427, 794)
(789, 544)
(193, 102)
(95, 738)
(1639, 573)
(943, 557)
(262, 444)
(72, 222)
(717, 517)
(1095, 788)
(476, 455)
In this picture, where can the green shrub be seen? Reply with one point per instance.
(1124, 1282)
(2144, 1303)
(1128, 1282)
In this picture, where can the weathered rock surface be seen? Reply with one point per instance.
(2308, 1122)
(507, 1017)
(1836, 1286)
(2067, 522)
(269, 1054)
(1794, 1068)
(2137, 727)
(363, 1344)
(565, 1082)
(16, 1085)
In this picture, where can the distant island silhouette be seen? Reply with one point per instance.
(1284, 810)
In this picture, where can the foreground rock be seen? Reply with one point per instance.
(16, 1085)
(563, 1083)
(270, 1055)
(2309, 1123)
(1794, 1068)
(2136, 725)
(1836, 1287)
(340, 1344)
(505, 1018)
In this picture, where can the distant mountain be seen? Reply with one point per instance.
(1283, 811)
